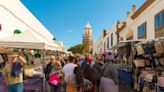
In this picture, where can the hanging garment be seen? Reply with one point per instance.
(140, 50)
(128, 49)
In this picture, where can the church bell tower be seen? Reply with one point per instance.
(88, 38)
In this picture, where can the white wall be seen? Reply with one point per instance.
(99, 45)
(148, 16)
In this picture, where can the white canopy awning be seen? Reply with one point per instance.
(123, 43)
(30, 40)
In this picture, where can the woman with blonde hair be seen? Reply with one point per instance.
(53, 73)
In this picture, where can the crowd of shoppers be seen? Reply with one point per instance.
(79, 73)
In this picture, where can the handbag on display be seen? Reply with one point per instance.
(161, 60)
(149, 48)
(149, 77)
(147, 63)
(140, 50)
(159, 48)
(54, 79)
(139, 62)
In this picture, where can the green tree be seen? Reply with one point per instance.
(77, 48)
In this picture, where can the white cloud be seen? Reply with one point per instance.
(70, 31)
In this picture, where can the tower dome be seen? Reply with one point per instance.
(88, 29)
(88, 25)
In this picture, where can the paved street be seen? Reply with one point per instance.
(125, 88)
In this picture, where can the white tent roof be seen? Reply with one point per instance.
(30, 40)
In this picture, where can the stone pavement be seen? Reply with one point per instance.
(125, 88)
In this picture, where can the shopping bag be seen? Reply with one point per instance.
(54, 79)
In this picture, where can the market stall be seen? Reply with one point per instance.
(26, 44)
(148, 60)
(125, 55)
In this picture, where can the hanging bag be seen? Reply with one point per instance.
(140, 50)
(149, 48)
(139, 62)
(159, 48)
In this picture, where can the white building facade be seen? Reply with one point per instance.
(145, 23)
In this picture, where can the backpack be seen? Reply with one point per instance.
(87, 85)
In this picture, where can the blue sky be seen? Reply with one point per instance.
(66, 19)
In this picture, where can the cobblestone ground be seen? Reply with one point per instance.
(125, 88)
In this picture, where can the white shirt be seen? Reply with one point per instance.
(68, 71)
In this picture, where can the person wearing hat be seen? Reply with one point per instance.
(13, 72)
